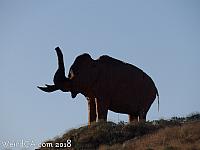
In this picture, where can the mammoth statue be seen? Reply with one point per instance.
(108, 84)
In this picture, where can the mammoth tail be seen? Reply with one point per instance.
(158, 98)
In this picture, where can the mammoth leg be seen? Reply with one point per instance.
(102, 109)
(142, 116)
(91, 110)
(133, 118)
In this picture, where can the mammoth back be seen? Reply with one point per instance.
(112, 63)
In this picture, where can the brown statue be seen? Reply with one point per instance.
(108, 84)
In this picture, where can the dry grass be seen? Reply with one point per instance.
(175, 134)
(185, 137)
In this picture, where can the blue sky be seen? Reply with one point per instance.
(160, 37)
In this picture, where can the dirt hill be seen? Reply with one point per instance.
(174, 134)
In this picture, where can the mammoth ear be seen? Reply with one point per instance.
(48, 88)
(94, 72)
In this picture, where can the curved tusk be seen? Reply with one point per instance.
(48, 88)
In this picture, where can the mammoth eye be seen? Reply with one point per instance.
(71, 73)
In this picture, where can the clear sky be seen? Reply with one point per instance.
(160, 37)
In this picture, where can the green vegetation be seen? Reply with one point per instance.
(174, 134)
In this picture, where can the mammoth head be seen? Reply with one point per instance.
(60, 81)
(83, 73)
(81, 77)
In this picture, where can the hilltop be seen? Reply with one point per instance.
(176, 133)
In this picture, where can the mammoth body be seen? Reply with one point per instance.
(108, 84)
(127, 87)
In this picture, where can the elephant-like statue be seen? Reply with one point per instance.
(108, 84)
